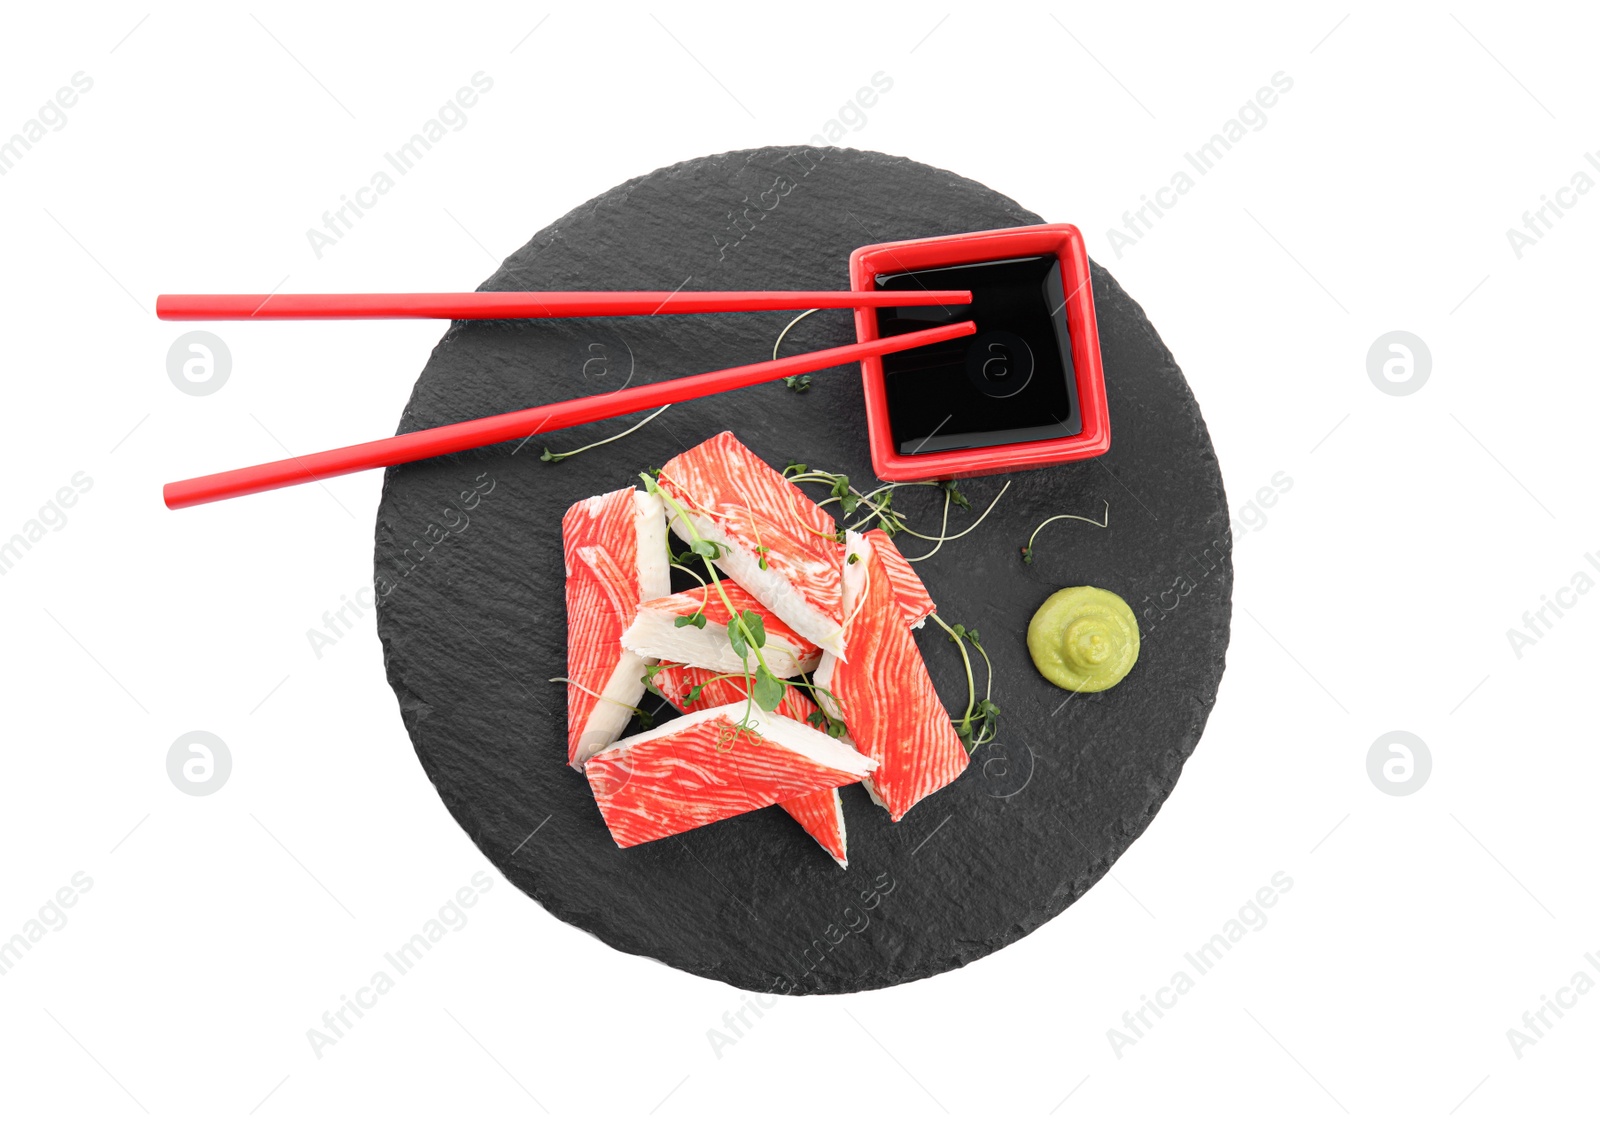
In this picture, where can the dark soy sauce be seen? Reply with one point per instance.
(1010, 383)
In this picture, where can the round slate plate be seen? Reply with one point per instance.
(472, 619)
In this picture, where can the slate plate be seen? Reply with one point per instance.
(471, 616)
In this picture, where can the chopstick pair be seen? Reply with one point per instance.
(455, 437)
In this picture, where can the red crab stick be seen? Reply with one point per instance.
(492, 304)
(531, 421)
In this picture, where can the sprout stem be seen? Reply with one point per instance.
(942, 539)
(549, 456)
(972, 693)
(786, 329)
(1104, 522)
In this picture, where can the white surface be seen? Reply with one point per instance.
(1416, 532)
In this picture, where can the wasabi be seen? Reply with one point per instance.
(1084, 639)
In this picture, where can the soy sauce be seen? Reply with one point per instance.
(1010, 383)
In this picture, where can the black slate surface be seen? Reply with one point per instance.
(471, 615)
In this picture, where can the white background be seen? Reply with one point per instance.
(1377, 596)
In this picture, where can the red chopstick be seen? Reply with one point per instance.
(496, 304)
(531, 421)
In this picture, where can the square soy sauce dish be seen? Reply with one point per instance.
(1027, 390)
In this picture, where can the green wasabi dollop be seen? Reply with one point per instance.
(1085, 639)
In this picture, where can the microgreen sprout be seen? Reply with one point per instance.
(821, 720)
(646, 718)
(762, 688)
(1027, 549)
(747, 632)
(848, 499)
(942, 539)
(980, 723)
(551, 456)
(802, 382)
(881, 508)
